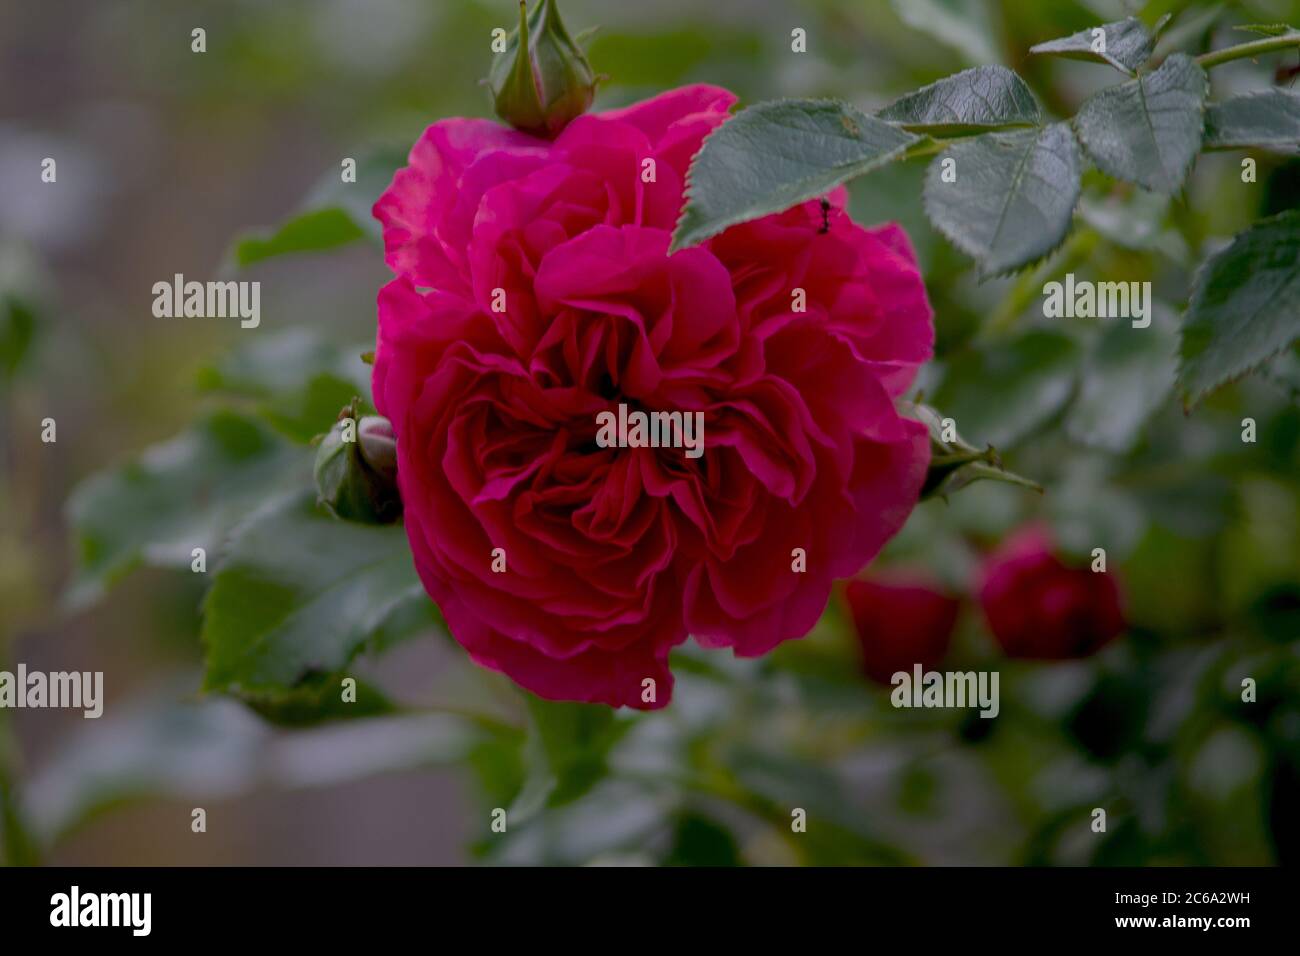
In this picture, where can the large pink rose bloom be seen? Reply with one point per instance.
(614, 555)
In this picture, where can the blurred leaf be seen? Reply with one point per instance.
(1137, 222)
(182, 494)
(1266, 29)
(1268, 119)
(1245, 306)
(962, 25)
(314, 231)
(1127, 376)
(1127, 45)
(299, 594)
(1013, 198)
(317, 700)
(775, 155)
(334, 213)
(23, 295)
(299, 381)
(699, 841)
(162, 746)
(982, 98)
(567, 748)
(17, 330)
(1000, 392)
(1148, 130)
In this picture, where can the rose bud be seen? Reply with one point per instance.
(1040, 608)
(543, 79)
(900, 623)
(356, 470)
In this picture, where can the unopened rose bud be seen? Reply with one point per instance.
(357, 480)
(543, 80)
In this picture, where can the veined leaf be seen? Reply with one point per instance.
(1269, 119)
(299, 594)
(775, 155)
(986, 97)
(1013, 197)
(1124, 44)
(1148, 130)
(183, 494)
(1245, 306)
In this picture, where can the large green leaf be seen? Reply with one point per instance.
(1000, 392)
(775, 155)
(1269, 119)
(1013, 197)
(1127, 44)
(182, 494)
(1245, 306)
(1148, 130)
(962, 25)
(299, 594)
(334, 213)
(298, 380)
(986, 97)
(1129, 373)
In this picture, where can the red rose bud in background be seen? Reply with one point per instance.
(543, 80)
(901, 623)
(1040, 608)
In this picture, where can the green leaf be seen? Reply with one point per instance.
(1245, 306)
(317, 700)
(17, 331)
(1013, 198)
(298, 381)
(23, 301)
(1266, 29)
(1127, 44)
(334, 213)
(1127, 376)
(1269, 119)
(975, 100)
(182, 494)
(299, 595)
(568, 744)
(962, 25)
(1148, 130)
(775, 155)
(314, 231)
(1001, 392)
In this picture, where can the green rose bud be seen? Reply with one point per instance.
(543, 80)
(356, 470)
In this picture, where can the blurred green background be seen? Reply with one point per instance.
(165, 155)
